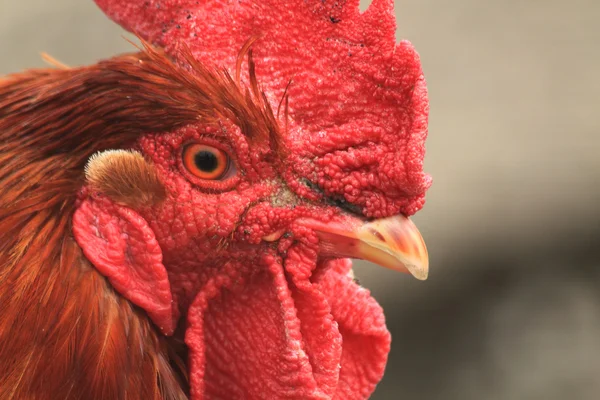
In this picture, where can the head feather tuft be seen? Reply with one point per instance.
(126, 177)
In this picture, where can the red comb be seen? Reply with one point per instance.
(348, 76)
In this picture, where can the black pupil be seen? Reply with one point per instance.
(206, 161)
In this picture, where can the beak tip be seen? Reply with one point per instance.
(419, 272)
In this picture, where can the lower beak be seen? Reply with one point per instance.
(393, 242)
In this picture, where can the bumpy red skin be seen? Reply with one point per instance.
(358, 102)
(264, 320)
(272, 320)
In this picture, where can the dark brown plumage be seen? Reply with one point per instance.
(58, 313)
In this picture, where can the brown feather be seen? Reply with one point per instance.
(126, 177)
(64, 332)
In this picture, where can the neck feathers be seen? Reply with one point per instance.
(64, 333)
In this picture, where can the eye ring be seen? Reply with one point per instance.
(206, 162)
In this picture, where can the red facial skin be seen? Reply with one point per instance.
(272, 319)
(263, 318)
(358, 101)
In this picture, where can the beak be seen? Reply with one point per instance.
(393, 243)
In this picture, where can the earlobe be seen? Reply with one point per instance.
(123, 248)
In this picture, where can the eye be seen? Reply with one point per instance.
(206, 162)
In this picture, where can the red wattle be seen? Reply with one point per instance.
(265, 337)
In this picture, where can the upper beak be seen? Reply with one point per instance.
(393, 242)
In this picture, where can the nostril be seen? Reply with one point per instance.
(312, 186)
(342, 203)
(336, 201)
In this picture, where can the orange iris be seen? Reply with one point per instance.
(205, 162)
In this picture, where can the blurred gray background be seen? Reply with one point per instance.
(512, 307)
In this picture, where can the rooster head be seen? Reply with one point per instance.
(234, 229)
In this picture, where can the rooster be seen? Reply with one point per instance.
(178, 222)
